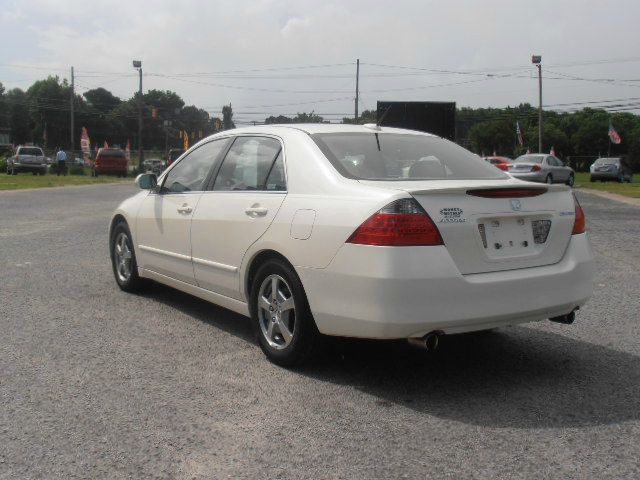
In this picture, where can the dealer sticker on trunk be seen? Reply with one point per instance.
(452, 215)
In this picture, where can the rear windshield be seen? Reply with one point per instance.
(30, 151)
(111, 153)
(529, 159)
(607, 161)
(393, 156)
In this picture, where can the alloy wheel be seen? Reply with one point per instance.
(276, 311)
(122, 257)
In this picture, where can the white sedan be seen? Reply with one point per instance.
(357, 231)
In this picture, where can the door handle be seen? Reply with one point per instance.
(256, 211)
(185, 208)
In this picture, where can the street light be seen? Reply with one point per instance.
(138, 64)
(537, 61)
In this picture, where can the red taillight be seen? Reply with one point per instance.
(580, 223)
(507, 192)
(503, 166)
(536, 168)
(402, 223)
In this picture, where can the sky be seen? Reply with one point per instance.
(270, 57)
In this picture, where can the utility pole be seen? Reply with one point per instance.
(537, 61)
(71, 100)
(138, 64)
(357, 87)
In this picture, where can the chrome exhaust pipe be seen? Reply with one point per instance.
(565, 319)
(429, 342)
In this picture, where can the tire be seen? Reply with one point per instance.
(125, 267)
(592, 180)
(620, 179)
(300, 338)
(549, 179)
(571, 180)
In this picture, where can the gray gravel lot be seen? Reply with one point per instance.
(96, 383)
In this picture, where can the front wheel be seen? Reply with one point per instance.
(123, 259)
(287, 333)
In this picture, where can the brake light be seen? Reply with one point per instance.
(536, 168)
(507, 192)
(402, 223)
(580, 223)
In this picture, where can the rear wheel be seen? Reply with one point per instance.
(287, 333)
(549, 179)
(571, 180)
(123, 259)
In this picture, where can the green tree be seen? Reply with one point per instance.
(227, 118)
(280, 119)
(18, 115)
(101, 100)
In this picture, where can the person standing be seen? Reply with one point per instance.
(61, 160)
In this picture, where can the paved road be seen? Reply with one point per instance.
(96, 383)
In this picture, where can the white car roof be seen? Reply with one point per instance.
(312, 128)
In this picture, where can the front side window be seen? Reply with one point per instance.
(392, 156)
(247, 165)
(190, 173)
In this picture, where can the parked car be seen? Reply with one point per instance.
(110, 161)
(542, 168)
(27, 159)
(173, 155)
(501, 162)
(615, 168)
(356, 231)
(154, 165)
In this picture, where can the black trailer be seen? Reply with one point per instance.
(438, 118)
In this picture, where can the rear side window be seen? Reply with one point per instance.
(248, 164)
(111, 153)
(529, 159)
(190, 173)
(30, 151)
(392, 156)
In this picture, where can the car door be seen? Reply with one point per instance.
(243, 199)
(164, 219)
(561, 172)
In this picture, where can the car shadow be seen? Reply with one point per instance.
(518, 377)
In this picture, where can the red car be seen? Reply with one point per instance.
(501, 162)
(111, 161)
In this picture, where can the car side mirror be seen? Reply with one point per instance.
(147, 181)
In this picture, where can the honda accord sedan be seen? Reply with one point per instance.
(356, 231)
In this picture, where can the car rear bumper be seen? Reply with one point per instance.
(29, 167)
(401, 292)
(605, 175)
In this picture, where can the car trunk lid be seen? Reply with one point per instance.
(490, 226)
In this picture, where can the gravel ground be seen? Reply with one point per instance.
(96, 383)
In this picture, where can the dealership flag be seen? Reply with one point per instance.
(185, 140)
(519, 133)
(613, 135)
(85, 144)
(127, 151)
(552, 152)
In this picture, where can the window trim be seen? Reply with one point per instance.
(212, 180)
(159, 188)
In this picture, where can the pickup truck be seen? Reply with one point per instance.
(27, 159)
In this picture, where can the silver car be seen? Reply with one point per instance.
(543, 168)
(616, 169)
(27, 159)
